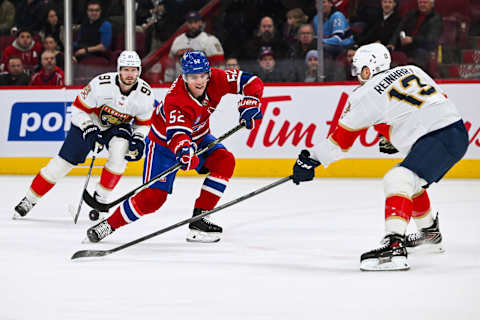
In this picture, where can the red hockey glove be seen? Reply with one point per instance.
(185, 153)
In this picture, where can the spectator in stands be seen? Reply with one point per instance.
(231, 63)
(383, 30)
(50, 74)
(157, 23)
(266, 36)
(53, 27)
(337, 35)
(24, 47)
(363, 14)
(311, 61)
(94, 35)
(295, 18)
(346, 63)
(418, 34)
(305, 42)
(196, 39)
(28, 15)
(16, 75)
(7, 16)
(50, 44)
(267, 69)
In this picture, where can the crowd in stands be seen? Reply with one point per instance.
(276, 39)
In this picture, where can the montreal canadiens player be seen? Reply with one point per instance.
(180, 126)
(113, 110)
(410, 110)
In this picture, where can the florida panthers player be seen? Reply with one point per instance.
(114, 110)
(412, 112)
(180, 125)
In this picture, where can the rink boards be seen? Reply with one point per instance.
(35, 122)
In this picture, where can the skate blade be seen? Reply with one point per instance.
(427, 248)
(16, 216)
(202, 237)
(396, 264)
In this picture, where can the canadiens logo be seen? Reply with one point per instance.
(109, 116)
(84, 93)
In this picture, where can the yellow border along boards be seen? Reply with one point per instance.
(345, 168)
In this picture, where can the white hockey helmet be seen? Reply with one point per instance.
(129, 59)
(374, 56)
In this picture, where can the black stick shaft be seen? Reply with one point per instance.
(97, 253)
(105, 206)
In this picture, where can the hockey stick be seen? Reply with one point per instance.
(75, 218)
(106, 206)
(101, 253)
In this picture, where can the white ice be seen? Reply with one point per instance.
(290, 253)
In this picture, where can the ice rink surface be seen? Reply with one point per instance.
(290, 253)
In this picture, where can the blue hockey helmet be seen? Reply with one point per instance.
(195, 62)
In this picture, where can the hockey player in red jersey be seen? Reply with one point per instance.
(411, 111)
(180, 126)
(113, 110)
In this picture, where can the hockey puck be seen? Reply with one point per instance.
(94, 215)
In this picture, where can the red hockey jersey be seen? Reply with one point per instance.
(181, 114)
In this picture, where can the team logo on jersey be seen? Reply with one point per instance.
(84, 93)
(110, 116)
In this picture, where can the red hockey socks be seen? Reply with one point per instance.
(40, 186)
(146, 201)
(421, 210)
(221, 164)
(398, 211)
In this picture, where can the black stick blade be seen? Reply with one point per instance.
(94, 203)
(90, 253)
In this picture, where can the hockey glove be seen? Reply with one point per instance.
(135, 148)
(123, 130)
(304, 168)
(186, 155)
(386, 147)
(93, 137)
(249, 108)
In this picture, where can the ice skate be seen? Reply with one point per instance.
(99, 231)
(203, 230)
(391, 256)
(428, 239)
(23, 208)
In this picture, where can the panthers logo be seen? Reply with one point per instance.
(109, 116)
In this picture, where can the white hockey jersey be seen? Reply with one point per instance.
(405, 98)
(102, 103)
(205, 42)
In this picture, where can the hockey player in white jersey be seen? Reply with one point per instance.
(113, 110)
(410, 110)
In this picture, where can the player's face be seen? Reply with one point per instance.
(364, 75)
(197, 83)
(128, 75)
